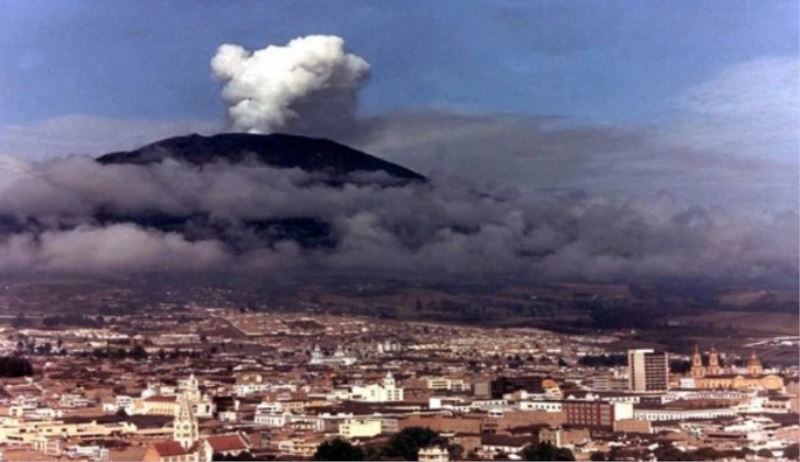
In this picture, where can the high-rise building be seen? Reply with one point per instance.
(647, 370)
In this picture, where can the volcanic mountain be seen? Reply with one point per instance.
(275, 150)
(335, 163)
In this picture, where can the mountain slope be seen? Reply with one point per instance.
(276, 150)
(334, 161)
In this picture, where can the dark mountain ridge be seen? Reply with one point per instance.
(276, 150)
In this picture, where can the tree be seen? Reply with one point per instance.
(764, 453)
(603, 360)
(11, 366)
(44, 349)
(670, 452)
(338, 449)
(20, 321)
(409, 441)
(546, 451)
(456, 451)
(792, 452)
(679, 366)
(707, 453)
(597, 456)
(138, 352)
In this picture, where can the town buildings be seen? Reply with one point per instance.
(271, 390)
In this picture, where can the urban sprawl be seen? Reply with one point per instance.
(209, 383)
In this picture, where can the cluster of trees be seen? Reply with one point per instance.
(135, 352)
(546, 451)
(603, 361)
(77, 320)
(59, 320)
(29, 345)
(403, 445)
(338, 449)
(406, 444)
(680, 366)
(15, 366)
(21, 321)
(138, 352)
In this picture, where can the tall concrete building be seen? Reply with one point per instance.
(647, 370)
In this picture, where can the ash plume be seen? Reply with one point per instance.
(308, 86)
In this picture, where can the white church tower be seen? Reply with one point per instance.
(185, 428)
(388, 381)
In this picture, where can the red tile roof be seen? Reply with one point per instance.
(232, 442)
(170, 448)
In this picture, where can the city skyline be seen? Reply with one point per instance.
(374, 231)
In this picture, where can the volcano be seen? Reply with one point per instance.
(275, 150)
(335, 163)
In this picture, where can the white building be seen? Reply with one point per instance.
(360, 428)
(547, 406)
(445, 384)
(387, 391)
(682, 414)
(277, 420)
(433, 454)
(338, 358)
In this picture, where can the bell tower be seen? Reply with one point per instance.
(713, 363)
(388, 381)
(184, 427)
(697, 370)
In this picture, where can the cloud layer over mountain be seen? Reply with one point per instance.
(441, 231)
(581, 202)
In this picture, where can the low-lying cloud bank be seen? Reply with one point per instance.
(54, 217)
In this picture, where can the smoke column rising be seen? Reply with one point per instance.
(309, 86)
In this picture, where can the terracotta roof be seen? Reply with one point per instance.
(232, 442)
(169, 448)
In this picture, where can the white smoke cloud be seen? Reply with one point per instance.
(308, 86)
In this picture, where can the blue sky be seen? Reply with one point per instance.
(598, 61)
(698, 99)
